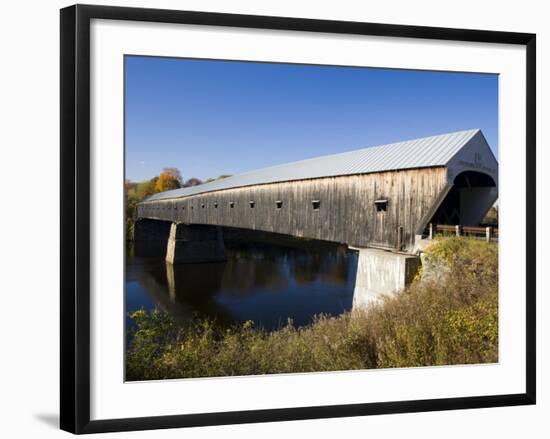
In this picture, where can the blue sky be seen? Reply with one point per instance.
(208, 118)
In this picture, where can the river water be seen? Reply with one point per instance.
(266, 282)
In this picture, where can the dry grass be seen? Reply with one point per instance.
(451, 320)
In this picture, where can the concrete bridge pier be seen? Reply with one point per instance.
(194, 243)
(381, 273)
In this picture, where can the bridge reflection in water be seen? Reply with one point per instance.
(260, 281)
(265, 282)
(265, 278)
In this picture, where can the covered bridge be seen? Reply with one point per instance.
(382, 197)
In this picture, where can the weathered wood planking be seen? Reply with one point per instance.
(347, 212)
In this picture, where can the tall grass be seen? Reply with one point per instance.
(439, 320)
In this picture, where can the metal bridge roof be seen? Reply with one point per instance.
(417, 153)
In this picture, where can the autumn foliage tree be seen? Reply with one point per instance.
(168, 179)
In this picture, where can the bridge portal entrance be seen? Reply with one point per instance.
(470, 197)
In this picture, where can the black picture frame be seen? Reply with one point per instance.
(75, 217)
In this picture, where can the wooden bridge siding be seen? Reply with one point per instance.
(347, 211)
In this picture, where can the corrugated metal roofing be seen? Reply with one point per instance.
(417, 153)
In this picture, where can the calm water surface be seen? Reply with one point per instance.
(263, 282)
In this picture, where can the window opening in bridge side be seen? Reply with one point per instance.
(231, 204)
(251, 204)
(316, 204)
(215, 205)
(381, 205)
(202, 205)
(279, 204)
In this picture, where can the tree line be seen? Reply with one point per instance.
(168, 179)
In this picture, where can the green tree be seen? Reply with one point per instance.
(146, 188)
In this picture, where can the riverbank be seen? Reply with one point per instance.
(452, 319)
